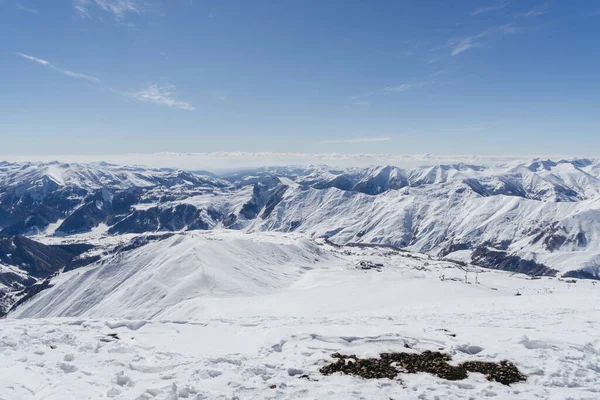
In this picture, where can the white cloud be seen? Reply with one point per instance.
(77, 75)
(162, 95)
(154, 93)
(460, 45)
(81, 8)
(37, 60)
(404, 87)
(534, 12)
(439, 72)
(28, 9)
(66, 72)
(490, 8)
(118, 8)
(359, 140)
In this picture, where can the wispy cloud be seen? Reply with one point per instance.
(439, 72)
(28, 9)
(388, 90)
(460, 45)
(488, 9)
(77, 75)
(34, 59)
(162, 95)
(358, 140)
(66, 72)
(404, 87)
(534, 12)
(154, 93)
(118, 8)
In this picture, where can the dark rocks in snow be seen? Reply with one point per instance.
(377, 246)
(169, 219)
(74, 249)
(368, 368)
(503, 372)
(81, 261)
(388, 178)
(178, 217)
(374, 182)
(30, 209)
(140, 241)
(35, 195)
(485, 257)
(28, 293)
(230, 220)
(84, 219)
(274, 199)
(367, 265)
(580, 274)
(99, 207)
(31, 261)
(458, 246)
(341, 182)
(138, 221)
(34, 258)
(389, 365)
(265, 194)
(554, 242)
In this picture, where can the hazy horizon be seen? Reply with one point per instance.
(229, 161)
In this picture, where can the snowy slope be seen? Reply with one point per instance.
(565, 234)
(290, 305)
(144, 282)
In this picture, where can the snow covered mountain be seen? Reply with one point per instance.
(540, 217)
(34, 196)
(154, 280)
(126, 282)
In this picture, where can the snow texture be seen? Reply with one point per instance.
(248, 316)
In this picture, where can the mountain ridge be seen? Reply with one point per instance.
(539, 217)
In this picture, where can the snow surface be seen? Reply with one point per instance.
(226, 315)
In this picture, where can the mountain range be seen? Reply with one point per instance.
(540, 217)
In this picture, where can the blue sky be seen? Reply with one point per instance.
(440, 77)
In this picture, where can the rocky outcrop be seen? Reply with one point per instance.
(487, 257)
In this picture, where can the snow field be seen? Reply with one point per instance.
(290, 305)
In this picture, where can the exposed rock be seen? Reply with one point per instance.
(485, 257)
(366, 265)
(389, 365)
(35, 258)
